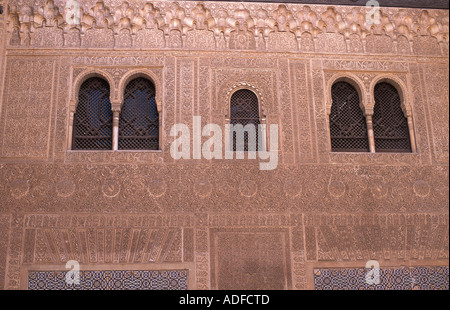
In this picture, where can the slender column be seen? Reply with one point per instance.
(71, 119)
(328, 107)
(116, 115)
(412, 137)
(116, 130)
(265, 138)
(369, 120)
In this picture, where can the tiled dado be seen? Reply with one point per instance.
(110, 280)
(407, 278)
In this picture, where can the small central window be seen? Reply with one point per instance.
(245, 111)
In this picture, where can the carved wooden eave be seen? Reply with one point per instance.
(223, 25)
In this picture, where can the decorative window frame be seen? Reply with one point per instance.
(366, 108)
(405, 95)
(133, 74)
(367, 102)
(124, 81)
(261, 106)
(355, 82)
(405, 99)
(116, 98)
(83, 77)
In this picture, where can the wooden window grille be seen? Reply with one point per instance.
(245, 111)
(93, 118)
(390, 126)
(139, 117)
(348, 127)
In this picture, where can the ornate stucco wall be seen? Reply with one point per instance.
(226, 222)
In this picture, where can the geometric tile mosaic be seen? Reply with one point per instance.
(110, 280)
(406, 278)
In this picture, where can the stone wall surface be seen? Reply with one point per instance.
(226, 221)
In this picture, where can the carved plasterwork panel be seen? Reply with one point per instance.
(302, 119)
(438, 98)
(331, 42)
(379, 44)
(120, 208)
(48, 37)
(27, 110)
(395, 238)
(104, 245)
(200, 40)
(4, 230)
(250, 259)
(422, 123)
(162, 188)
(2, 50)
(283, 41)
(186, 90)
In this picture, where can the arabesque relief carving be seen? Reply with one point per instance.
(143, 208)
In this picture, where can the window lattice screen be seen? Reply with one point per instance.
(245, 111)
(93, 118)
(348, 128)
(390, 125)
(139, 118)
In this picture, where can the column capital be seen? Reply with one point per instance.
(116, 106)
(328, 105)
(73, 106)
(368, 111)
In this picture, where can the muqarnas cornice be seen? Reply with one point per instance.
(220, 25)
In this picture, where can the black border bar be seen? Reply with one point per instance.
(416, 4)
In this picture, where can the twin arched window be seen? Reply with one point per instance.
(348, 125)
(138, 121)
